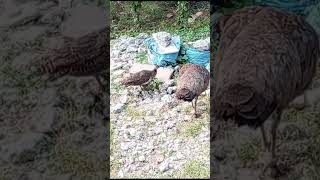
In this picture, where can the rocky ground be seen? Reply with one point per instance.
(46, 130)
(153, 135)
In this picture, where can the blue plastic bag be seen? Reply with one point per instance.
(196, 56)
(314, 17)
(163, 59)
(300, 7)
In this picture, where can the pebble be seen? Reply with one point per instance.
(164, 166)
(118, 108)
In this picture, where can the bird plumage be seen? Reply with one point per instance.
(140, 78)
(265, 59)
(83, 56)
(193, 80)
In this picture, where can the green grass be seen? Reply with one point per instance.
(248, 152)
(142, 58)
(134, 112)
(155, 85)
(68, 158)
(153, 19)
(192, 129)
(195, 169)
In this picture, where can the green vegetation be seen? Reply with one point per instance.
(195, 169)
(169, 16)
(142, 58)
(193, 128)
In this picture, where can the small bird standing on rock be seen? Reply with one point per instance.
(193, 80)
(141, 78)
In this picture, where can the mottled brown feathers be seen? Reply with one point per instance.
(265, 59)
(140, 78)
(84, 56)
(193, 80)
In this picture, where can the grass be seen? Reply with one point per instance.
(142, 58)
(68, 159)
(134, 112)
(248, 152)
(195, 169)
(153, 19)
(192, 129)
(155, 85)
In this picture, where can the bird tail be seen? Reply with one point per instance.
(185, 94)
(242, 104)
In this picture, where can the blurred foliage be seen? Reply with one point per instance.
(131, 19)
(182, 12)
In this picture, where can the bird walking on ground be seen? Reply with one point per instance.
(84, 56)
(266, 58)
(141, 78)
(193, 80)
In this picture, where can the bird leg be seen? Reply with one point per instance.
(272, 162)
(196, 115)
(264, 137)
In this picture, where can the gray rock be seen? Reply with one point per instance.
(53, 17)
(166, 98)
(171, 90)
(23, 147)
(15, 15)
(29, 34)
(169, 83)
(132, 49)
(164, 166)
(118, 108)
(22, 61)
(43, 119)
(141, 158)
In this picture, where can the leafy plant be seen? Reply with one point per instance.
(182, 12)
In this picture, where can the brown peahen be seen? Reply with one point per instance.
(84, 56)
(265, 59)
(141, 78)
(193, 80)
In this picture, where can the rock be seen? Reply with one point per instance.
(171, 90)
(169, 83)
(29, 34)
(16, 16)
(162, 38)
(43, 119)
(164, 74)
(164, 166)
(132, 49)
(94, 19)
(124, 146)
(121, 174)
(119, 108)
(141, 158)
(53, 17)
(169, 15)
(115, 53)
(159, 158)
(23, 148)
(166, 98)
(22, 61)
(142, 36)
(139, 67)
(202, 44)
